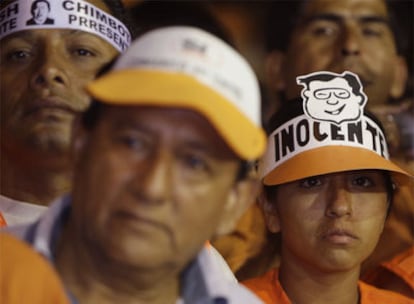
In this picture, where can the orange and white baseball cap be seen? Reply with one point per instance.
(186, 67)
(326, 131)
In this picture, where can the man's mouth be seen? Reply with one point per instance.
(48, 104)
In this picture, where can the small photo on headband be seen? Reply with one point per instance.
(40, 10)
(78, 15)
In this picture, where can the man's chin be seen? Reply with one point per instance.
(49, 141)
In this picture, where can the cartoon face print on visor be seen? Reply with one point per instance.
(332, 97)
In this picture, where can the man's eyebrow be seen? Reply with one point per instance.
(323, 17)
(339, 18)
(374, 19)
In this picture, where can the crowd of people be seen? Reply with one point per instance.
(143, 161)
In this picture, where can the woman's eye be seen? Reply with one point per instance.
(362, 181)
(310, 182)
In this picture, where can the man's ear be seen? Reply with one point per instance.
(270, 212)
(241, 197)
(274, 71)
(400, 77)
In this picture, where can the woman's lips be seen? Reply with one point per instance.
(339, 236)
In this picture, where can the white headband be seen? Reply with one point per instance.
(302, 134)
(64, 14)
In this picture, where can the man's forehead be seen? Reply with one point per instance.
(34, 34)
(345, 8)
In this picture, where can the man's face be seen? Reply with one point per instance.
(40, 12)
(344, 35)
(43, 73)
(152, 185)
(331, 222)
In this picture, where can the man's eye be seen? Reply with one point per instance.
(19, 55)
(372, 32)
(81, 52)
(323, 31)
(135, 143)
(310, 182)
(195, 162)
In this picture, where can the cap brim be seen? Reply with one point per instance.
(332, 159)
(169, 89)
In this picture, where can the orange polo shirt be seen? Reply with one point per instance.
(268, 288)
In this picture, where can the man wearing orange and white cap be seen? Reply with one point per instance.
(328, 186)
(161, 166)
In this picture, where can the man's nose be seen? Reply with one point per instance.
(156, 179)
(350, 44)
(49, 71)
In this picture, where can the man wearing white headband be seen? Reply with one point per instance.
(162, 162)
(328, 186)
(44, 67)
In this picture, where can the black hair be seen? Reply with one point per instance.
(150, 14)
(34, 5)
(118, 10)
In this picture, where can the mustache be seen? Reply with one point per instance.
(53, 102)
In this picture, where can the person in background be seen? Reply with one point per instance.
(161, 167)
(44, 69)
(361, 36)
(328, 187)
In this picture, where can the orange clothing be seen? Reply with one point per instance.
(2, 221)
(25, 276)
(268, 288)
(396, 274)
(398, 233)
(246, 241)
